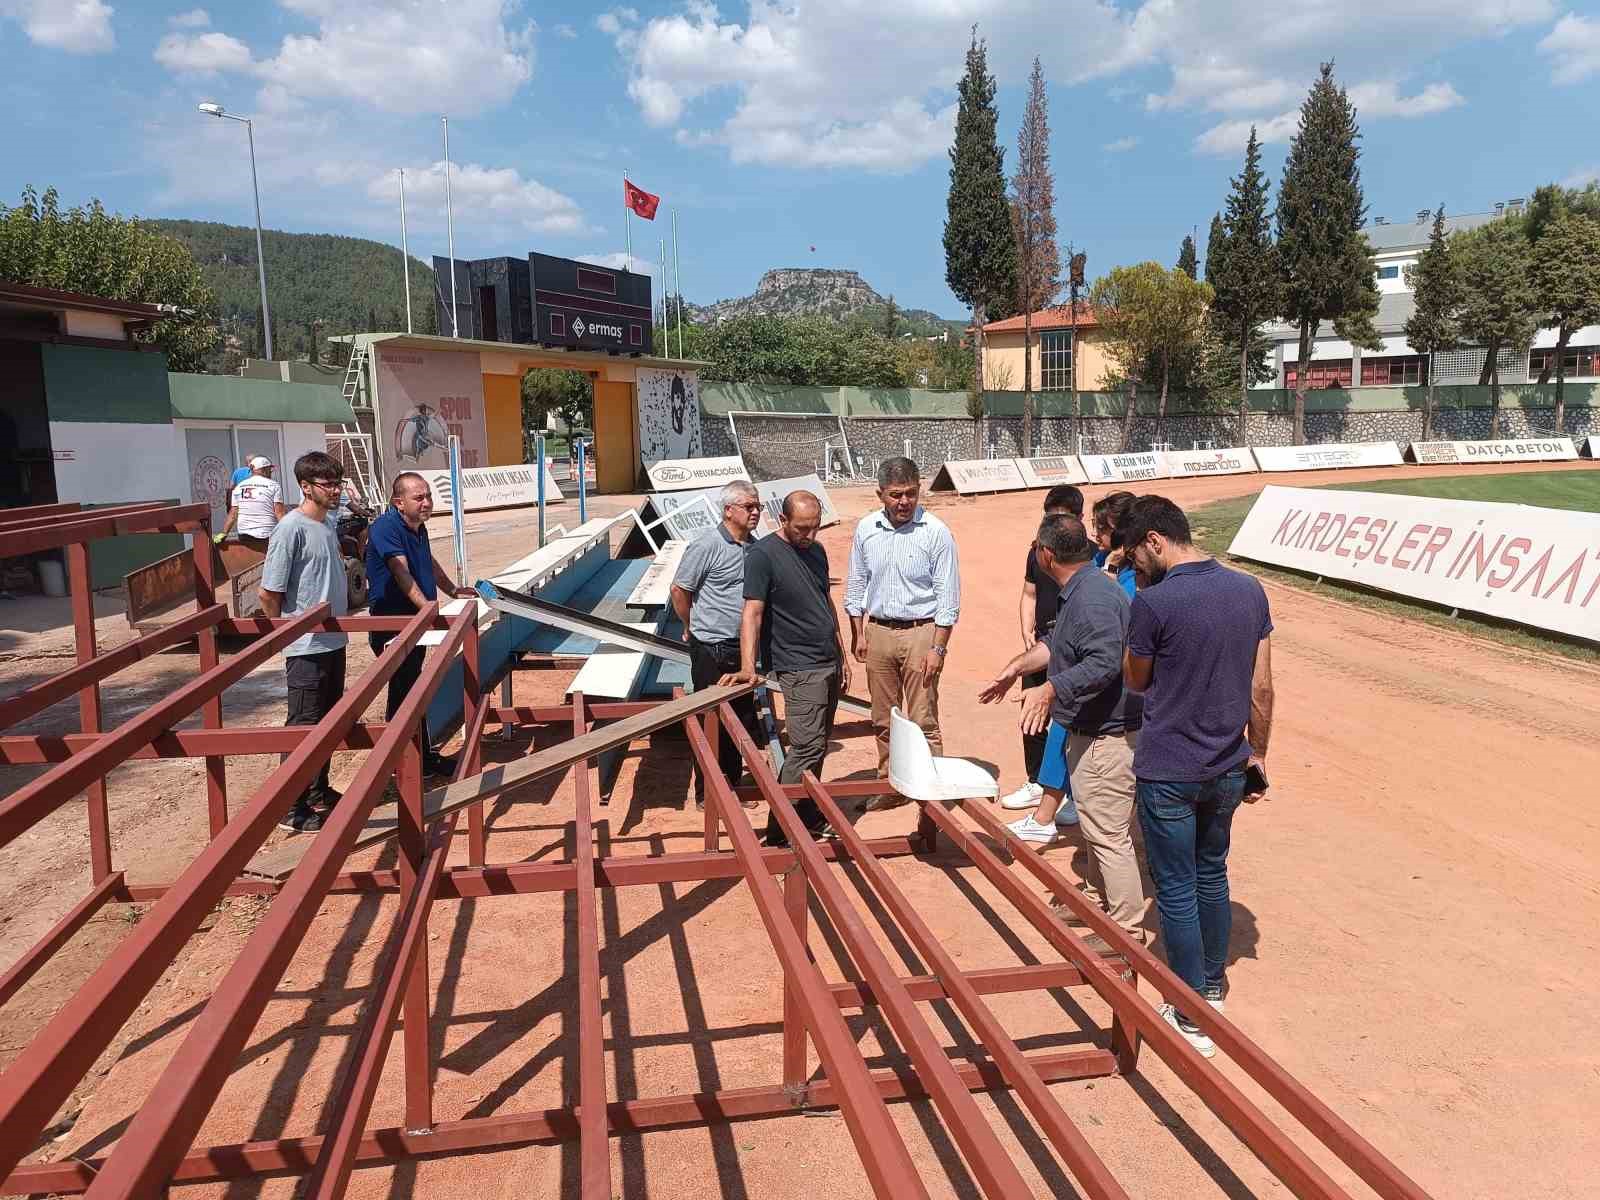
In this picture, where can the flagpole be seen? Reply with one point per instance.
(677, 281)
(450, 226)
(667, 353)
(405, 248)
(627, 227)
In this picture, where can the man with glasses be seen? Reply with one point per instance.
(708, 596)
(302, 569)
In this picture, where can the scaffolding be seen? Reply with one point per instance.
(157, 1151)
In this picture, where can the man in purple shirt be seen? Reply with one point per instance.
(1199, 647)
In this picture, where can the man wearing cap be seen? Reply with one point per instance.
(256, 505)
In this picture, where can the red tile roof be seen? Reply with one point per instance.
(1057, 317)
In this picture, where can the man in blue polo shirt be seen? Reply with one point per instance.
(1199, 647)
(402, 577)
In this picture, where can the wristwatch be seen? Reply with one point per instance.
(939, 650)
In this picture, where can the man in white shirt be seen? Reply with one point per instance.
(256, 506)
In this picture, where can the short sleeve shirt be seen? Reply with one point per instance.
(712, 572)
(254, 499)
(304, 563)
(1200, 626)
(798, 630)
(1048, 592)
(390, 537)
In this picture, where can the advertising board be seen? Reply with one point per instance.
(1329, 456)
(1591, 447)
(492, 487)
(978, 475)
(1535, 566)
(1047, 472)
(1551, 449)
(587, 307)
(679, 474)
(669, 414)
(774, 490)
(422, 398)
(1123, 468)
(1235, 460)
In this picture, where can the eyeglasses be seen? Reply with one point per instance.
(751, 507)
(327, 483)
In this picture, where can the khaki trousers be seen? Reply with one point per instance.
(1103, 788)
(895, 680)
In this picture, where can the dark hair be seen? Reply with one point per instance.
(314, 464)
(1109, 511)
(1065, 537)
(394, 492)
(1153, 514)
(897, 470)
(1064, 495)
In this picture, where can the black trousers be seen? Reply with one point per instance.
(709, 662)
(315, 683)
(402, 681)
(1033, 743)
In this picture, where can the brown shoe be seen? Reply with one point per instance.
(884, 801)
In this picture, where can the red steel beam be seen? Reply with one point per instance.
(1291, 1164)
(1093, 1176)
(164, 1128)
(21, 749)
(878, 1143)
(24, 704)
(206, 562)
(89, 713)
(379, 1147)
(549, 714)
(30, 513)
(256, 626)
(594, 1147)
(109, 888)
(150, 517)
(42, 796)
(1360, 1155)
(43, 1075)
(986, 1157)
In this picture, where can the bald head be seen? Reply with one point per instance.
(802, 517)
(802, 501)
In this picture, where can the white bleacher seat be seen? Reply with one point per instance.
(915, 772)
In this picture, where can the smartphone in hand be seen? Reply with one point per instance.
(1255, 780)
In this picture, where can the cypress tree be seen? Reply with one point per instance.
(1498, 299)
(1188, 260)
(1435, 324)
(1324, 257)
(980, 255)
(1033, 223)
(1566, 275)
(1243, 270)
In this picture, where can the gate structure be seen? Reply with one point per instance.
(157, 1150)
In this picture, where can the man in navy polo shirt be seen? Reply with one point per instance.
(1199, 647)
(402, 577)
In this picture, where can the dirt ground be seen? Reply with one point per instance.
(1415, 912)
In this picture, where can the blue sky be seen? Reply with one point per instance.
(771, 127)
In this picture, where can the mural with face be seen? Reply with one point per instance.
(679, 404)
(669, 414)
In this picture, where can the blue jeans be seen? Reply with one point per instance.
(1186, 830)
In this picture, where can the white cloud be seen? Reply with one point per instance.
(1121, 144)
(203, 53)
(195, 18)
(1383, 99)
(1574, 43)
(611, 23)
(76, 26)
(1230, 137)
(485, 199)
(1582, 177)
(617, 260)
(566, 31)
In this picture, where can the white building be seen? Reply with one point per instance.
(1336, 363)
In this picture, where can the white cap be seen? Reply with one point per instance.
(260, 461)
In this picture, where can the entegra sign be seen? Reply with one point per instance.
(1558, 449)
(1323, 457)
(1535, 566)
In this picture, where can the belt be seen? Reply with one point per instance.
(887, 623)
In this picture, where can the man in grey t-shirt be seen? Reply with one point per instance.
(708, 596)
(304, 568)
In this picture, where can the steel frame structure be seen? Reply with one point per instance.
(156, 1150)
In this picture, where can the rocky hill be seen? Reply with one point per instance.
(815, 292)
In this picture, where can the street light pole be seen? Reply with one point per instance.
(216, 110)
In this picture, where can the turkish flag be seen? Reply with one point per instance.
(641, 201)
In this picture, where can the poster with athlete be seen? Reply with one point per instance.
(422, 398)
(669, 414)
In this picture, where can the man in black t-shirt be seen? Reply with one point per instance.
(789, 627)
(1037, 613)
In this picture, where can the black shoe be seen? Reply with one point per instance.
(326, 799)
(439, 764)
(302, 818)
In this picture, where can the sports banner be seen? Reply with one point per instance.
(679, 474)
(1592, 447)
(1183, 464)
(1047, 472)
(492, 487)
(423, 397)
(1535, 566)
(1123, 468)
(773, 491)
(1551, 449)
(978, 475)
(1329, 456)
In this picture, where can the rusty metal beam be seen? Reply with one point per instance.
(23, 749)
(75, 918)
(594, 1148)
(150, 517)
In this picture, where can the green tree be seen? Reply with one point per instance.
(1566, 281)
(1128, 304)
(1324, 258)
(803, 351)
(891, 317)
(311, 341)
(1188, 260)
(98, 253)
(1243, 270)
(1498, 309)
(1182, 302)
(1435, 324)
(1033, 225)
(567, 394)
(980, 254)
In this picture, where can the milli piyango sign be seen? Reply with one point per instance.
(584, 307)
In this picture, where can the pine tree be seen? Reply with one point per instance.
(1566, 276)
(891, 317)
(1243, 270)
(980, 254)
(372, 320)
(1033, 224)
(311, 341)
(1188, 260)
(1497, 310)
(1434, 326)
(1324, 257)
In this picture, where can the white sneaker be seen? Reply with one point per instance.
(1213, 996)
(1190, 1030)
(1066, 813)
(1032, 832)
(1026, 796)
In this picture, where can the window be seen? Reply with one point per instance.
(1580, 361)
(1402, 370)
(1389, 272)
(597, 281)
(1055, 360)
(1333, 373)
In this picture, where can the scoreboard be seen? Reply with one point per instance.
(585, 307)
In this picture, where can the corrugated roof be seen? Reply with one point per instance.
(1414, 235)
(1056, 317)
